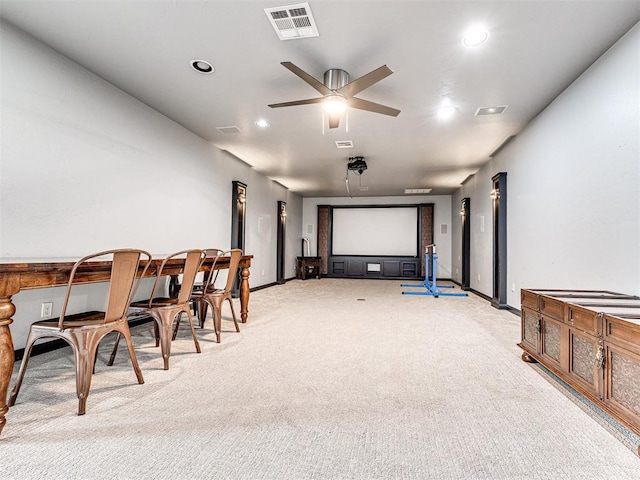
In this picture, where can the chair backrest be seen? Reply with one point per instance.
(212, 274)
(191, 269)
(124, 267)
(210, 277)
(235, 254)
(191, 260)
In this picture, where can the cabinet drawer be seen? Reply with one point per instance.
(552, 307)
(528, 299)
(584, 319)
(622, 332)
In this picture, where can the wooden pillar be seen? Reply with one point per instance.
(238, 210)
(465, 212)
(324, 236)
(281, 241)
(499, 199)
(426, 235)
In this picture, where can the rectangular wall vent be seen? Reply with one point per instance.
(231, 129)
(344, 144)
(293, 21)
(416, 191)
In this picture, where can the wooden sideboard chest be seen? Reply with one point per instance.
(591, 340)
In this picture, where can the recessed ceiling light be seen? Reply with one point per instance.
(202, 66)
(262, 123)
(475, 36)
(446, 111)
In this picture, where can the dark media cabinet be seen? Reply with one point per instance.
(374, 267)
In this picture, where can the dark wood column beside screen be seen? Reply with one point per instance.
(324, 228)
(426, 233)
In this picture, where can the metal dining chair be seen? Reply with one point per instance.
(84, 331)
(164, 310)
(214, 297)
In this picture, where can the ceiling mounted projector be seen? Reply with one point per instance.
(357, 164)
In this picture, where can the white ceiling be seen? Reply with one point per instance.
(535, 50)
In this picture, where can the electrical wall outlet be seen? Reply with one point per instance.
(46, 310)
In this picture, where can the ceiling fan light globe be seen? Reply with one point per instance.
(335, 104)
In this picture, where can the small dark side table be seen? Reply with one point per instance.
(307, 266)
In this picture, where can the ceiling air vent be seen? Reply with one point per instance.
(293, 21)
(490, 110)
(232, 129)
(416, 191)
(344, 144)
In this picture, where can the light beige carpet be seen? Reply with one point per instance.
(330, 379)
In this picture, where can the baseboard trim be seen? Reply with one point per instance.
(508, 308)
(262, 287)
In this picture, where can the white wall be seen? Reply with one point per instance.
(86, 167)
(441, 216)
(573, 181)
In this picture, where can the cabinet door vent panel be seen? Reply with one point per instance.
(552, 341)
(625, 386)
(530, 327)
(582, 358)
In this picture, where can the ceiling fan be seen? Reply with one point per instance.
(338, 93)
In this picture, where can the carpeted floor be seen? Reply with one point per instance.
(330, 379)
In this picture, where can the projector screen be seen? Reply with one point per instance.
(375, 231)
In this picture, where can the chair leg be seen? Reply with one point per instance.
(85, 359)
(23, 367)
(112, 358)
(217, 320)
(164, 325)
(202, 312)
(156, 333)
(233, 313)
(134, 360)
(175, 329)
(193, 330)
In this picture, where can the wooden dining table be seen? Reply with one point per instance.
(17, 275)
